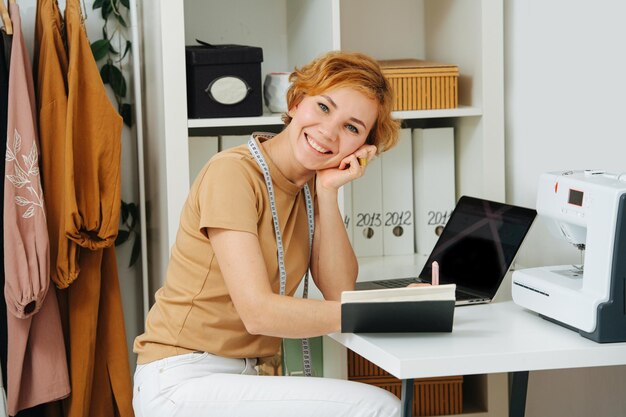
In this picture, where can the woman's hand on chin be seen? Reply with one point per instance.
(350, 168)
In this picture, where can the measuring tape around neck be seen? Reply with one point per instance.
(258, 156)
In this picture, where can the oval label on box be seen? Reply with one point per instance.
(228, 90)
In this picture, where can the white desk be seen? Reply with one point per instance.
(490, 338)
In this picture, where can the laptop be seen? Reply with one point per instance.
(475, 250)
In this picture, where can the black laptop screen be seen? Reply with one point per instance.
(478, 244)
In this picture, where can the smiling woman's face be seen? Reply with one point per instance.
(328, 127)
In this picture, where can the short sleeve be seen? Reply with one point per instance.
(228, 197)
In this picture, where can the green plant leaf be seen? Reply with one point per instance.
(100, 48)
(127, 114)
(121, 20)
(134, 214)
(113, 76)
(125, 3)
(97, 4)
(136, 251)
(105, 73)
(118, 83)
(128, 46)
(113, 50)
(107, 8)
(124, 212)
(122, 236)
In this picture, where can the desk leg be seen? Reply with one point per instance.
(519, 387)
(407, 398)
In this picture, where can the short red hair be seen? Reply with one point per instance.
(353, 70)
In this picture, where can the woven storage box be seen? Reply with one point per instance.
(422, 85)
(431, 396)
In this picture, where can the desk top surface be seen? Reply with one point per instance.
(488, 338)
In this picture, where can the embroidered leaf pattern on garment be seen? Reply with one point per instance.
(17, 142)
(21, 201)
(26, 176)
(29, 213)
(31, 160)
(20, 178)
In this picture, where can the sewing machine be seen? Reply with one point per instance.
(588, 209)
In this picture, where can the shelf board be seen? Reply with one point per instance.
(461, 111)
(268, 119)
(274, 119)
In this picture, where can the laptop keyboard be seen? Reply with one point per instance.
(396, 283)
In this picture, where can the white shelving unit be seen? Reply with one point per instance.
(273, 119)
(468, 33)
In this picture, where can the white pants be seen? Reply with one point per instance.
(201, 384)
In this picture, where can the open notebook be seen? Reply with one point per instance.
(475, 250)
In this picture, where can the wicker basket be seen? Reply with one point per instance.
(422, 85)
(431, 396)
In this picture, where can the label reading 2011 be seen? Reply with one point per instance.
(437, 217)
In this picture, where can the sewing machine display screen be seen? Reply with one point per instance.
(478, 244)
(575, 197)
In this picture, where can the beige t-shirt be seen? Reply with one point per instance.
(193, 310)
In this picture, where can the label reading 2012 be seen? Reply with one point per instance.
(399, 218)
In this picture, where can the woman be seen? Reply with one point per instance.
(221, 311)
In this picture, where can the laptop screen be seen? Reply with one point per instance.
(478, 244)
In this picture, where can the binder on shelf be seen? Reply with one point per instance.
(230, 141)
(367, 211)
(345, 202)
(415, 309)
(201, 149)
(397, 197)
(433, 184)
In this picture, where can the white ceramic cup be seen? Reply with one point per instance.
(275, 91)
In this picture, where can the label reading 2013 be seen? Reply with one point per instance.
(369, 220)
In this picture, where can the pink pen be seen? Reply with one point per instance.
(435, 273)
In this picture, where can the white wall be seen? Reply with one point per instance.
(565, 95)
(130, 278)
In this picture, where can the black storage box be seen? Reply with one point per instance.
(224, 81)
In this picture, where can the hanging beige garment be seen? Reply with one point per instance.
(51, 85)
(100, 372)
(93, 147)
(37, 367)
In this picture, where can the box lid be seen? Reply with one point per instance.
(222, 54)
(414, 66)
